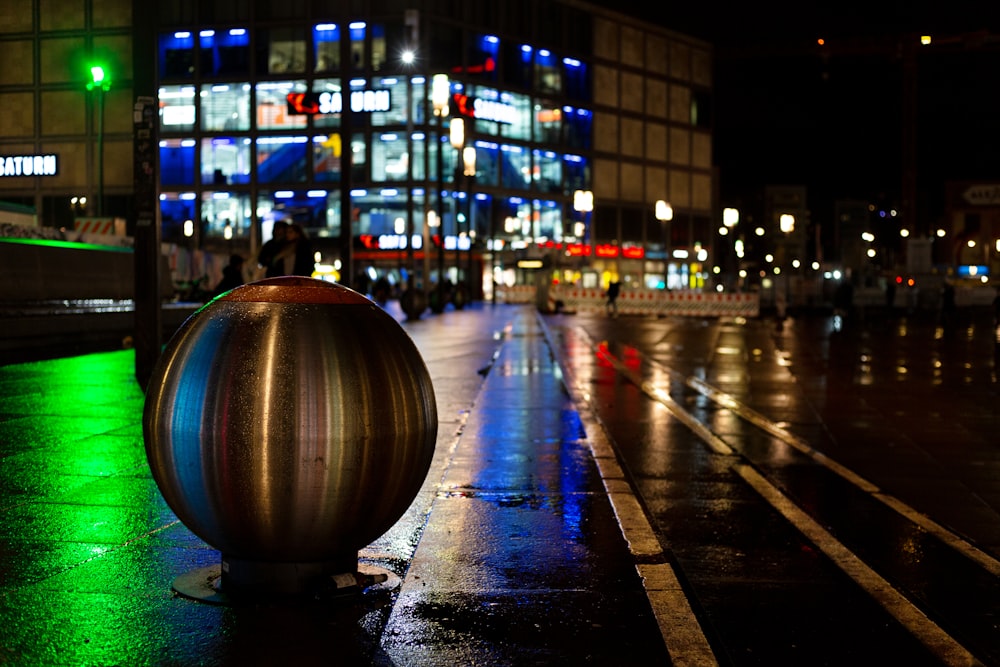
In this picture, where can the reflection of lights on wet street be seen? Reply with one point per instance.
(727, 422)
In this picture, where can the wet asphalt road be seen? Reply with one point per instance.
(829, 494)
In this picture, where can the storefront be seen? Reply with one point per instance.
(308, 114)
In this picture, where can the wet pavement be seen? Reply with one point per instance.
(510, 554)
(830, 490)
(567, 518)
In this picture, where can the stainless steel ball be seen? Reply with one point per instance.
(290, 420)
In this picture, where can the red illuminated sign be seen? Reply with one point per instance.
(362, 101)
(303, 103)
(488, 66)
(606, 250)
(476, 107)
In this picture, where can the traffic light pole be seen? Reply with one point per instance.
(100, 150)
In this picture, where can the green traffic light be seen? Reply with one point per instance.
(98, 78)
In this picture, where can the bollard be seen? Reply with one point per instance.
(414, 303)
(288, 423)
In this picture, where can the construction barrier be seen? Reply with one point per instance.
(690, 303)
(102, 231)
(515, 293)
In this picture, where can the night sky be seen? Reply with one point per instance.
(785, 115)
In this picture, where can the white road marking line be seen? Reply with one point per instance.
(957, 543)
(962, 546)
(682, 633)
(895, 603)
(915, 621)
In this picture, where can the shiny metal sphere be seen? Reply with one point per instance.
(290, 420)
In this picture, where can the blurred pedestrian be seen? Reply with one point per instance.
(232, 275)
(271, 248)
(947, 305)
(614, 288)
(843, 303)
(296, 257)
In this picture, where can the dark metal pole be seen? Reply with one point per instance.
(100, 150)
(148, 322)
(411, 265)
(346, 178)
(440, 212)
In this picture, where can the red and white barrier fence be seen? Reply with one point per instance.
(691, 303)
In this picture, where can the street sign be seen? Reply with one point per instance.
(982, 195)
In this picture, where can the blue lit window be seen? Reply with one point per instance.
(487, 163)
(483, 54)
(326, 41)
(175, 209)
(326, 158)
(578, 123)
(176, 55)
(576, 171)
(547, 171)
(515, 168)
(177, 161)
(357, 32)
(224, 52)
(548, 73)
(281, 159)
(577, 78)
(225, 160)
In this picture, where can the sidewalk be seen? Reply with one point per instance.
(509, 555)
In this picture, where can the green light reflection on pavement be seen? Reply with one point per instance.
(84, 569)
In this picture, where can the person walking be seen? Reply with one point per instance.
(614, 288)
(232, 275)
(269, 251)
(296, 256)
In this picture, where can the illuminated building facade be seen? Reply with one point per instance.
(305, 111)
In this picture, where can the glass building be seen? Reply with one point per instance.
(384, 129)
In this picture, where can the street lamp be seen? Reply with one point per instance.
(440, 93)
(731, 218)
(786, 223)
(466, 170)
(189, 239)
(412, 302)
(583, 203)
(665, 213)
(431, 221)
(469, 172)
(456, 136)
(100, 81)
